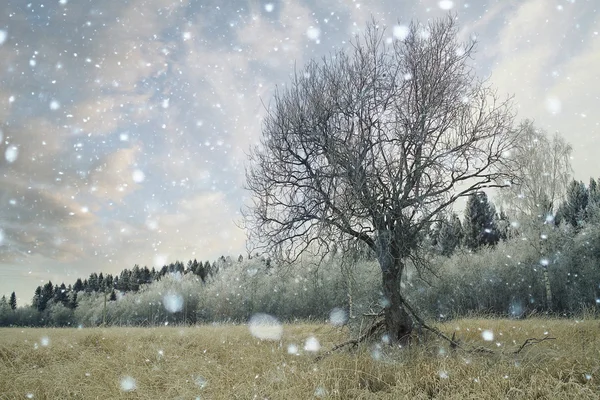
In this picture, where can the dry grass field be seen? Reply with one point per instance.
(227, 362)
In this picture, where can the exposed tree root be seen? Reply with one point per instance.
(454, 344)
(354, 342)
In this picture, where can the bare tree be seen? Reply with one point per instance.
(544, 165)
(372, 145)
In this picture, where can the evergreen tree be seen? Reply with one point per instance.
(78, 286)
(573, 210)
(135, 278)
(593, 208)
(73, 301)
(101, 282)
(123, 284)
(450, 235)
(92, 283)
(480, 227)
(61, 295)
(12, 302)
(37, 296)
(147, 277)
(109, 282)
(113, 296)
(47, 294)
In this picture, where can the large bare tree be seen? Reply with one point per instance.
(372, 144)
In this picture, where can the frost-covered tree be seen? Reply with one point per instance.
(372, 144)
(448, 235)
(544, 169)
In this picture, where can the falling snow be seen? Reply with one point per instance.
(338, 317)
(446, 4)
(312, 344)
(265, 327)
(128, 384)
(487, 335)
(11, 154)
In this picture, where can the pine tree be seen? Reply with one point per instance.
(573, 210)
(61, 295)
(12, 302)
(92, 285)
(78, 286)
(480, 227)
(450, 235)
(47, 295)
(37, 296)
(101, 282)
(123, 284)
(73, 301)
(135, 278)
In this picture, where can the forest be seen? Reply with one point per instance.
(489, 262)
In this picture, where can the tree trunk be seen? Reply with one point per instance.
(398, 322)
(548, 289)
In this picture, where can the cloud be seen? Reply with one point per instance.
(113, 177)
(550, 67)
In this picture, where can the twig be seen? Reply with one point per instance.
(532, 341)
(354, 342)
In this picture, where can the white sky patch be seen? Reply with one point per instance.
(269, 7)
(553, 104)
(128, 384)
(173, 302)
(446, 4)
(487, 335)
(11, 154)
(159, 259)
(138, 176)
(312, 344)
(1, 236)
(400, 32)
(3, 36)
(265, 327)
(313, 33)
(63, 2)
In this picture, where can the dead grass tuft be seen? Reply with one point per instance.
(227, 362)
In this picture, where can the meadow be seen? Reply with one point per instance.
(228, 362)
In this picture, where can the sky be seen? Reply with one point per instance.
(125, 124)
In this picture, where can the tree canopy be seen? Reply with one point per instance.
(373, 144)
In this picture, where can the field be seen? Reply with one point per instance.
(227, 362)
